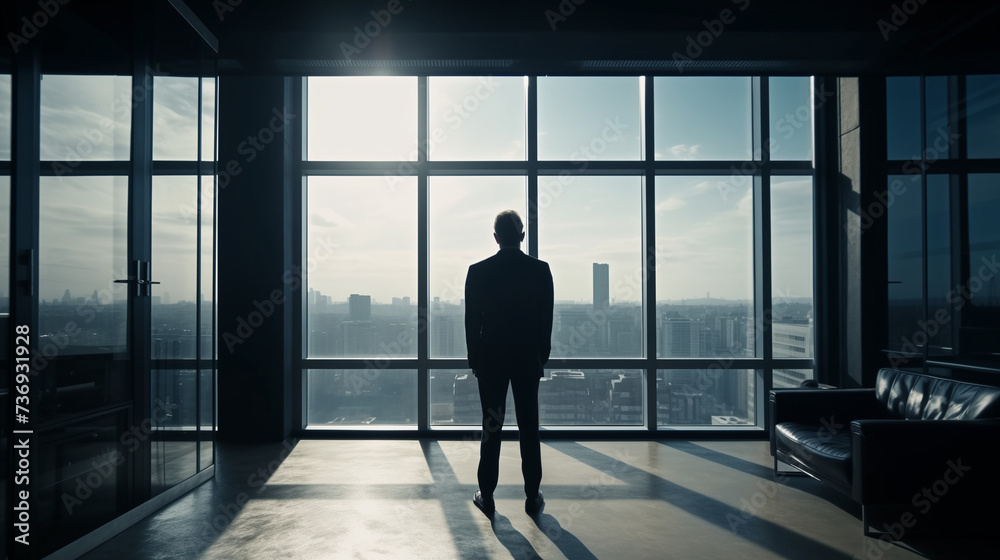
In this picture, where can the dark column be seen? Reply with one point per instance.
(863, 244)
(256, 281)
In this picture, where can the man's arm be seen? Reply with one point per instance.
(547, 308)
(473, 318)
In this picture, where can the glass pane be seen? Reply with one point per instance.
(174, 262)
(362, 118)
(462, 210)
(902, 99)
(208, 119)
(939, 264)
(983, 111)
(362, 397)
(207, 296)
(174, 427)
(480, 118)
(362, 266)
(792, 267)
(791, 118)
(982, 311)
(4, 246)
(206, 401)
(85, 118)
(905, 264)
(703, 118)
(175, 118)
(455, 400)
(6, 107)
(83, 250)
(716, 397)
(939, 103)
(791, 378)
(590, 233)
(592, 118)
(601, 397)
(704, 264)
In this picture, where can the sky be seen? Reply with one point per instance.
(703, 224)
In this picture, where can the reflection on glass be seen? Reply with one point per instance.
(716, 397)
(589, 234)
(791, 378)
(173, 442)
(462, 210)
(597, 397)
(792, 267)
(704, 267)
(4, 245)
(85, 118)
(905, 266)
(455, 400)
(208, 138)
(174, 251)
(940, 108)
(939, 263)
(902, 104)
(83, 250)
(6, 109)
(983, 112)
(206, 401)
(207, 295)
(362, 397)
(590, 119)
(362, 266)
(362, 118)
(478, 118)
(791, 117)
(983, 289)
(175, 118)
(703, 118)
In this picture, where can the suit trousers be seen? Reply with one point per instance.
(493, 397)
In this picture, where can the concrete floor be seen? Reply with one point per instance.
(412, 499)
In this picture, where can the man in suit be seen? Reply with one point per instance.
(508, 329)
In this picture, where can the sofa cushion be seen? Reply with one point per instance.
(919, 397)
(827, 453)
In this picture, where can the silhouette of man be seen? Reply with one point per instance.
(508, 329)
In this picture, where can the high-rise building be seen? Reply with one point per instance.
(602, 291)
(360, 307)
(681, 337)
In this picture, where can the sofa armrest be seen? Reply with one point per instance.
(895, 460)
(832, 408)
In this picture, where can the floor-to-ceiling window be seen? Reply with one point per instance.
(676, 214)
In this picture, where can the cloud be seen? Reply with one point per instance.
(670, 204)
(683, 151)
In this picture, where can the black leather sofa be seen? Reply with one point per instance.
(921, 454)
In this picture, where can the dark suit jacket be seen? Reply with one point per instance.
(508, 313)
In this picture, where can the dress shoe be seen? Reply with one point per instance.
(533, 506)
(485, 504)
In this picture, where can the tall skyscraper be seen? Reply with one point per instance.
(360, 307)
(601, 286)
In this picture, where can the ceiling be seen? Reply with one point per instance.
(542, 36)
